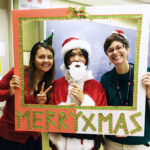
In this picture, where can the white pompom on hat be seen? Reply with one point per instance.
(72, 43)
(119, 32)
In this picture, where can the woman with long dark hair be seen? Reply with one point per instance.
(38, 79)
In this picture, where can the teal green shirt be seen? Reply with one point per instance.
(109, 82)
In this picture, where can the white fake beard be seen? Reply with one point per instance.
(77, 70)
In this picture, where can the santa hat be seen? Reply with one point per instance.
(119, 32)
(72, 43)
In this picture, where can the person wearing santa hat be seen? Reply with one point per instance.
(77, 88)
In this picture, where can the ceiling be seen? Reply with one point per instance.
(110, 2)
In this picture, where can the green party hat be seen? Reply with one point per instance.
(49, 39)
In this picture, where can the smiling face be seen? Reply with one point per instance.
(117, 53)
(43, 60)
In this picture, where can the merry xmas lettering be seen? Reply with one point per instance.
(60, 121)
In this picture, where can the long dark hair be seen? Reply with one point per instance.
(68, 54)
(115, 37)
(48, 76)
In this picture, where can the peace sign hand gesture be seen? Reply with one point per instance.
(41, 97)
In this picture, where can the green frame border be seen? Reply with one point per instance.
(136, 62)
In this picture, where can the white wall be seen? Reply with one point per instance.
(63, 3)
(4, 36)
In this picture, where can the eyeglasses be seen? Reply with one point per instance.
(117, 48)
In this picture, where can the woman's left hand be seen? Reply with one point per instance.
(41, 97)
(14, 83)
(77, 92)
(146, 83)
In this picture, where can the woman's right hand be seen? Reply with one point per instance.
(41, 97)
(14, 83)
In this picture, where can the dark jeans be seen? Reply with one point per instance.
(31, 144)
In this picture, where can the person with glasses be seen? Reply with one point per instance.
(118, 84)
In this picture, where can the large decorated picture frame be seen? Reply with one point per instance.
(93, 24)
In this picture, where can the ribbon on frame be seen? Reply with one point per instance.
(79, 12)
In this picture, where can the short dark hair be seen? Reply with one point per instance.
(68, 54)
(115, 37)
